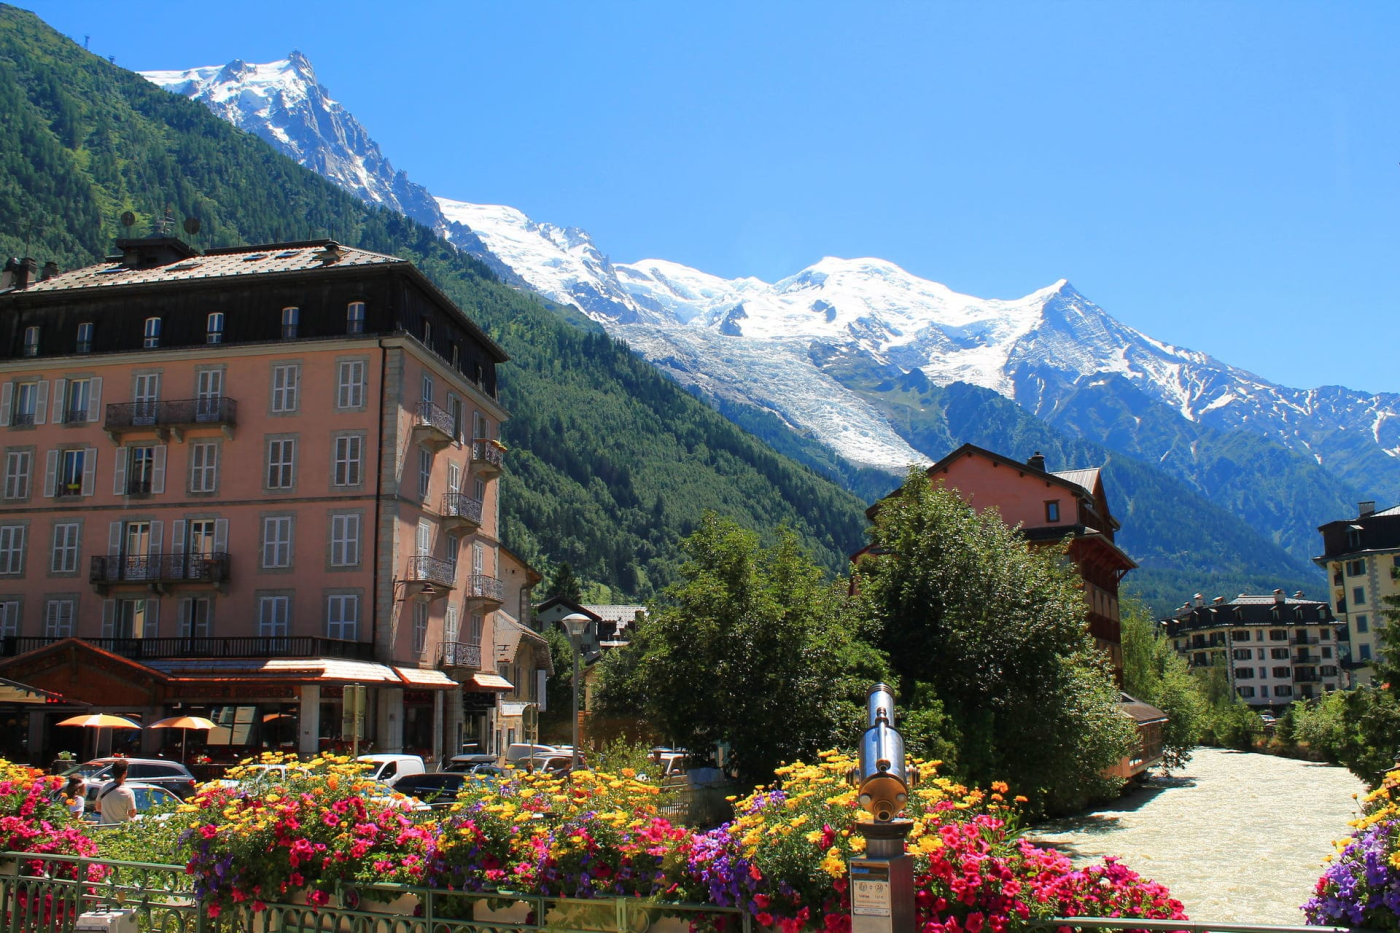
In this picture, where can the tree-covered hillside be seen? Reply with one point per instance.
(611, 463)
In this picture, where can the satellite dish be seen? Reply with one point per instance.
(192, 225)
(128, 218)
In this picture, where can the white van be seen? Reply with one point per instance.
(389, 768)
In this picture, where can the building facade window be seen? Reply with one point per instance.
(9, 618)
(31, 341)
(345, 540)
(350, 384)
(1358, 596)
(1356, 568)
(349, 460)
(84, 344)
(1245, 692)
(291, 319)
(12, 549)
(131, 618)
(58, 617)
(1362, 625)
(281, 463)
(274, 615)
(1283, 690)
(214, 328)
(19, 465)
(1244, 673)
(420, 627)
(1283, 673)
(355, 317)
(277, 542)
(196, 617)
(1052, 511)
(79, 400)
(65, 548)
(425, 472)
(204, 466)
(151, 333)
(286, 380)
(1365, 652)
(343, 617)
(1240, 634)
(24, 403)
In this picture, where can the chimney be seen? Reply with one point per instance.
(49, 271)
(1217, 600)
(1298, 595)
(1199, 599)
(23, 271)
(1036, 462)
(1367, 507)
(7, 276)
(329, 253)
(1278, 596)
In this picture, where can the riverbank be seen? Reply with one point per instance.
(1238, 837)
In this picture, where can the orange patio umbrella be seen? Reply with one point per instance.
(101, 721)
(184, 723)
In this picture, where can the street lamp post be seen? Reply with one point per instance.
(576, 623)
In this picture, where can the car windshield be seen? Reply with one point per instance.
(148, 797)
(88, 770)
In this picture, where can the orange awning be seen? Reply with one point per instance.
(488, 682)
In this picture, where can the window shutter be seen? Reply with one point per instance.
(541, 689)
(41, 402)
(119, 472)
(60, 389)
(157, 532)
(50, 473)
(221, 536)
(89, 470)
(114, 539)
(177, 536)
(158, 470)
(7, 395)
(95, 400)
(109, 616)
(152, 618)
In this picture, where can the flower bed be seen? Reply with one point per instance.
(1361, 885)
(783, 859)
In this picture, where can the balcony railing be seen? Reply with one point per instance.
(74, 415)
(22, 419)
(1303, 640)
(460, 512)
(461, 654)
(1303, 657)
(432, 570)
(66, 490)
(154, 649)
(482, 586)
(488, 458)
(174, 415)
(433, 426)
(138, 487)
(159, 568)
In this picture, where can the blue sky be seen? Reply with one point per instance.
(1220, 176)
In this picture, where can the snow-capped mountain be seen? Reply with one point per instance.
(830, 350)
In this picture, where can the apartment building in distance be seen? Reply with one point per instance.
(1274, 649)
(234, 482)
(1360, 557)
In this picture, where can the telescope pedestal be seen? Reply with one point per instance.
(882, 880)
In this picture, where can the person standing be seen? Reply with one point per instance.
(115, 801)
(75, 796)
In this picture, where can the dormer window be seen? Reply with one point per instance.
(152, 333)
(291, 317)
(355, 317)
(1354, 536)
(456, 357)
(84, 337)
(428, 333)
(1052, 510)
(214, 329)
(31, 341)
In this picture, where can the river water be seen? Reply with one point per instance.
(1238, 837)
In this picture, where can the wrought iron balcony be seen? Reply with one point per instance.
(483, 587)
(172, 417)
(460, 654)
(433, 426)
(22, 419)
(1303, 640)
(488, 458)
(67, 490)
(461, 514)
(159, 570)
(432, 570)
(153, 649)
(138, 487)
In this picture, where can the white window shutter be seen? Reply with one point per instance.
(50, 473)
(152, 619)
(158, 470)
(177, 536)
(542, 689)
(89, 471)
(119, 472)
(221, 536)
(109, 617)
(7, 396)
(114, 539)
(157, 532)
(41, 402)
(95, 400)
(60, 389)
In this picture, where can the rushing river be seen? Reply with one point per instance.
(1237, 837)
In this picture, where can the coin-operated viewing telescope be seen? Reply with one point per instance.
(883, 777)
(882, 880)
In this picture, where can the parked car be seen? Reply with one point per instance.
(442, 789)
(465, 764)
(380, 793)
(389, 768)
(159, 772)
(148, 797)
